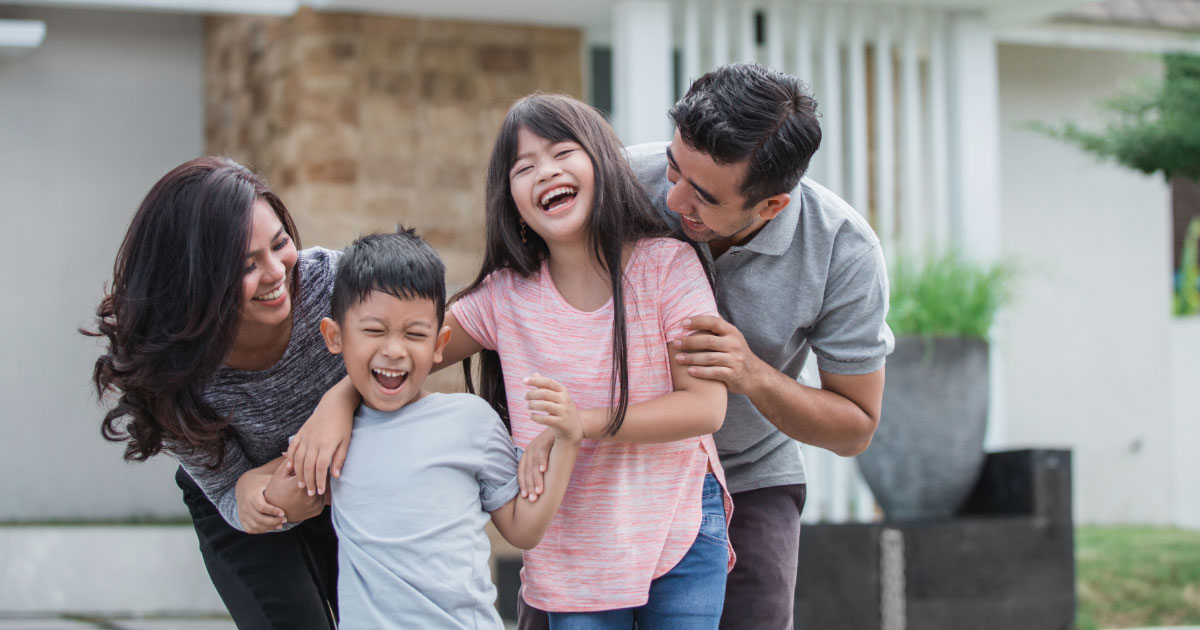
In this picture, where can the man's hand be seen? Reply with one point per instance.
(717, 351)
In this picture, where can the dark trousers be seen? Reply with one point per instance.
(761, 590)
(279, 580)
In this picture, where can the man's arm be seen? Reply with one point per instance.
(841, 416)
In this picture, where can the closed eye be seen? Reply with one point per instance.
(281, 244)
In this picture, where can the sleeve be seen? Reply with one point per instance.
(476, 312)
(219, 484)
(684, 291)
(851, 335)
(498, 472)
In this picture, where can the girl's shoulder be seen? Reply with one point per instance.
(657, 255)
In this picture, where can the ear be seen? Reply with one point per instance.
(332, 334)
(439, 344)
(770, 207)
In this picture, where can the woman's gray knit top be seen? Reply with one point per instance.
(269, 406)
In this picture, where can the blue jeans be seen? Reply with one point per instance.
(688, 597)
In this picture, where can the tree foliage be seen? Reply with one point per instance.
(1154, 128)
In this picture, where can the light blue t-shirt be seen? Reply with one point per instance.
(410, 510)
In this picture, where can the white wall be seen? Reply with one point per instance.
(88, 122)
(1086, 360)
(1185, 415)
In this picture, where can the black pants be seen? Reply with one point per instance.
(761, 589)
(276, 581)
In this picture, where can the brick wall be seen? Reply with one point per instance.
(362, 121)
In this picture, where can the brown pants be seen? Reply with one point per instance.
(761, 589)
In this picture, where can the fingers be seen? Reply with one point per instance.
(722, 374)
(322, 472)
(261, 516)
(711, 323)
(339, 459)
(544, 382)
(297, 451)
(308, 470)
(703, 358)
(701, 342)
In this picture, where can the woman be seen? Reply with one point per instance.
(215, 356)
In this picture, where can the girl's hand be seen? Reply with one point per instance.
(319, 448)
(532, 467)
(256, 514)
(551, 405)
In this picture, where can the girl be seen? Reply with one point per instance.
(578, 285)
(215, 355)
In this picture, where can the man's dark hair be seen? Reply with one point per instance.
(747, 111)
(399, 264)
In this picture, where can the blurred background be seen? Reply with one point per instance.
(363, 113)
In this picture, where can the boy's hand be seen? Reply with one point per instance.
(532, 468)
(319, 448)
(550, 405)
(283, 491)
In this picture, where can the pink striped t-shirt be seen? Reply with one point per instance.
(631, 511)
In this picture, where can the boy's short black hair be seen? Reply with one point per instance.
(399, 264)
(745, 111)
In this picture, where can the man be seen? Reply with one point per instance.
(796, 269)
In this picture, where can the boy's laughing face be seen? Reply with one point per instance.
(389, 345)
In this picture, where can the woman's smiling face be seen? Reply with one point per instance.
(552, 184)
(270, 259)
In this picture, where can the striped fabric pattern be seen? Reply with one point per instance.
(631, 511)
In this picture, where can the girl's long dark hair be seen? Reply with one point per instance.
(172, 313)
(620, 214)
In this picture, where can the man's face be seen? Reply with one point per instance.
(707, 196)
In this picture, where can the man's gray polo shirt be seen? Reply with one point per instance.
(813, 277)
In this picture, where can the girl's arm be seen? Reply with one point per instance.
(460, 346)
(523, 522)
(696, 407)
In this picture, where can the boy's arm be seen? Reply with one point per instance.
(521, 521)
(319, 448)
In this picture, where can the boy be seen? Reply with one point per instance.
(423, 470)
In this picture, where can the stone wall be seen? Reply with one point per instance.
(359, 122)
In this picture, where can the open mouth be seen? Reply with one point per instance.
(390, 380)
(557, 198)
(271, 296)
(689, 223)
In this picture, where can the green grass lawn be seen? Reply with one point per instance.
(1130, 577)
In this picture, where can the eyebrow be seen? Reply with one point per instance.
(273, 239)
(704, 194)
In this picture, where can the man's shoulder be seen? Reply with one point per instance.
(825, 216)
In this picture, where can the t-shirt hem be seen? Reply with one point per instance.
(787, 479)
(849, 368)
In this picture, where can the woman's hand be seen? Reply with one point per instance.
(256, 514)
(319, 448)
(549, 405)
(283, 491)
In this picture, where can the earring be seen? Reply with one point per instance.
(523, 231)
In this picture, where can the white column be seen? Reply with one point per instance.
(885, 139)
(691, 46)
(747, 47)
(642, 88)
(974, 154)
(720, 33)
(912, 180)
(939, 166)
(776, 20)
(856, 76)
(802, 62)
(830, 99)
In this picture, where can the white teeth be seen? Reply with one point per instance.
(561, 190)
(390, 373)
(267, 297)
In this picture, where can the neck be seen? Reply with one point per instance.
(258, 347)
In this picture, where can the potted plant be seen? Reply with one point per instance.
(928, 451)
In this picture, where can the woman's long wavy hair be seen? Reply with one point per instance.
(621, 214)
(172, 312)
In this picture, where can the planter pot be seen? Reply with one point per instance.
(928, 450)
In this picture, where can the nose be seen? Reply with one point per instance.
(275, 270)
(548, 170)
(676, 200)
(394, 348)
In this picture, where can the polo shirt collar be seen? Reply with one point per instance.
(776, 236)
